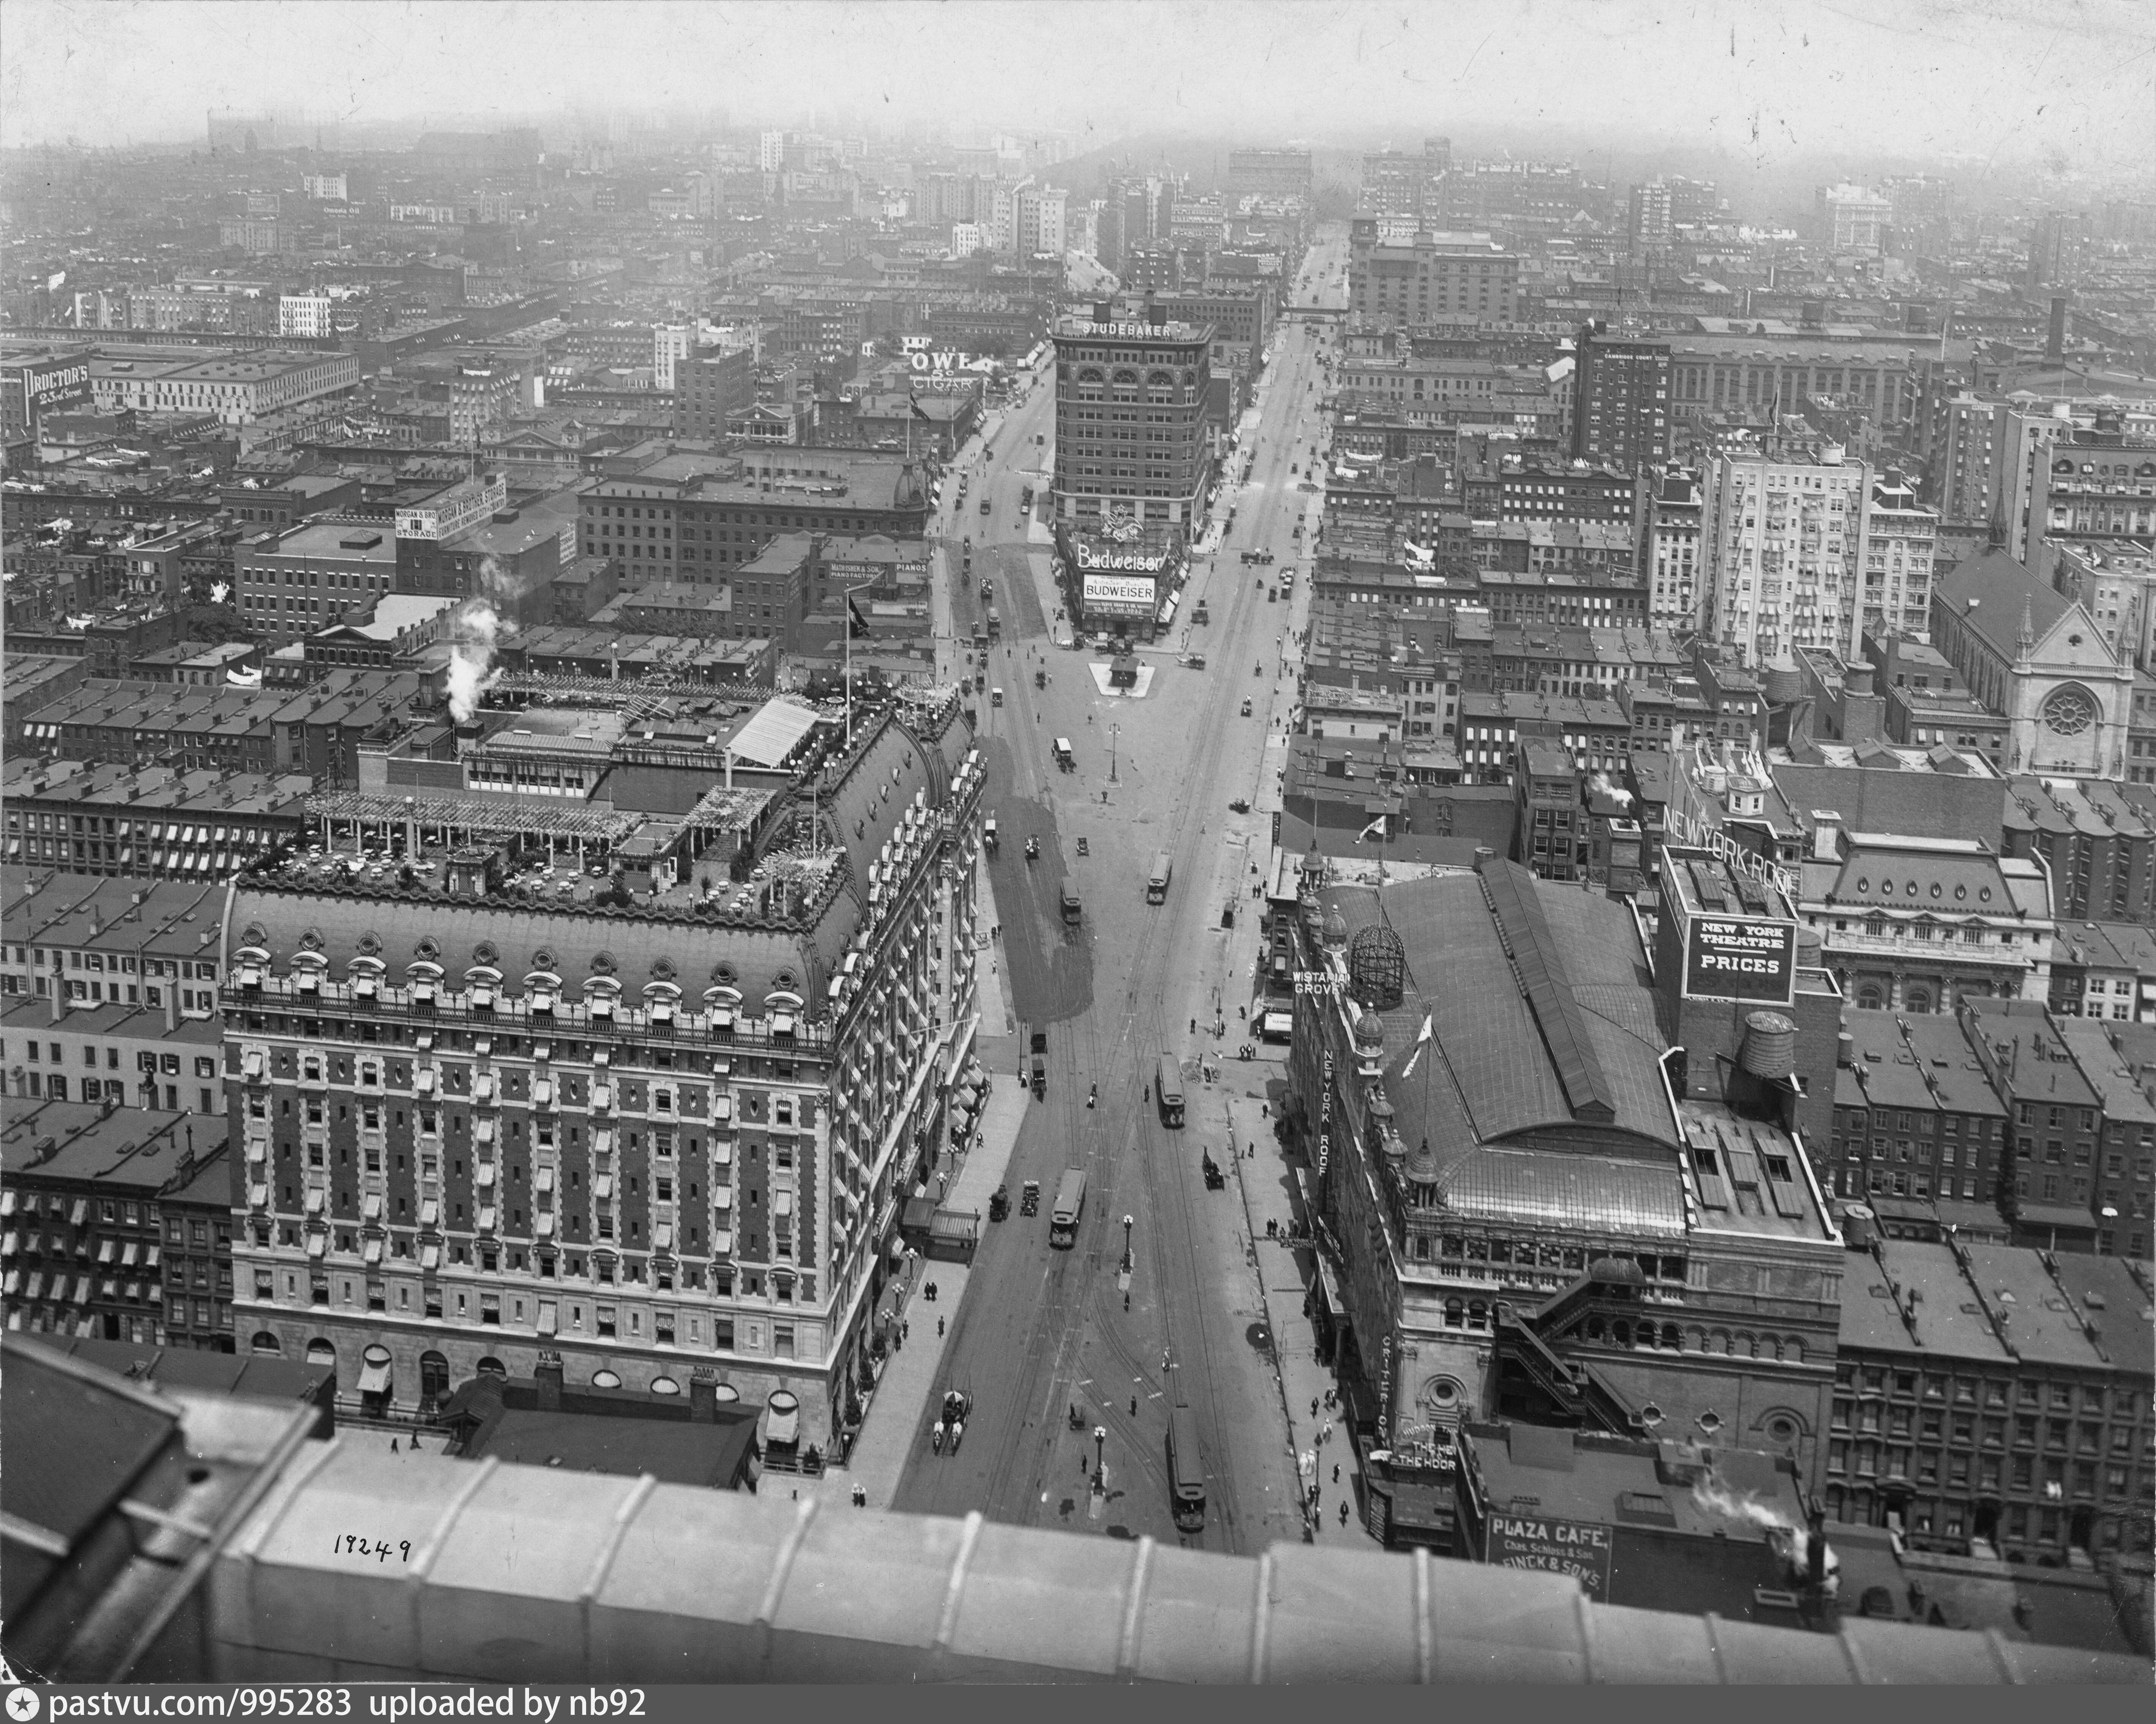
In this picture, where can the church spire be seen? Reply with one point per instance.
(2024, 643)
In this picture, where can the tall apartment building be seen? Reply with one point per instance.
(1781, 533)
(1650, 225)
(1854, 218)
(663, 1145)
(324, 188)
(1438, 275)
(1900, 544)
(1041, 220)
(709, 384)
(1620, 415)
(1670, 550)
(1392, 184)
(2058, 247)
(305, 314)
(1130, 432)
(771, 153)
(1272, 173)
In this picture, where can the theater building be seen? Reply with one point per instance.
(1532, 1205)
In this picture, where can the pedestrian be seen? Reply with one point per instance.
(797, 1493)
(904, 1331)
(939, 1328)
(1134, 1406)
(1193, 1026)
(1343, 1511)
(392, 1446)
(1313, 1406)
(1336, 1472)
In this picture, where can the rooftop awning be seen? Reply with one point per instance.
(773, 734)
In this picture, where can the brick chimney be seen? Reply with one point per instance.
(703, 1398)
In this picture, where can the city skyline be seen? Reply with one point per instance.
(1994, 84)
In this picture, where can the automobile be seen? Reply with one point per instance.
(1247, 706)
(999, 1203)
(1241, 805)
(1192, 661)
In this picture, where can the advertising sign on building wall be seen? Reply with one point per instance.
(1736, 958)
(1119, 595)
(1579, 1549)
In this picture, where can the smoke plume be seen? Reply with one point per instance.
(1713, 1497)
(473, 631)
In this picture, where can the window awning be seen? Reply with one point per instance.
(373, 1379)
(1278, 1023)
(151, 1256)
(81, 1208)
(723, 1197)
(315, 1195)
(258, 1197)
(371, 1252)
(423, 1081)
(430, 1257)
(662, 1237)
(131, 1253)
(12, 1284)
(10, 1243)
(257, 1150)
(784, 1428)
(723, 1107)
(81, 1294)
(549, 1320)
(370, 1207)
(722, 1242)
(486, 1218)
(483, 1172)
(782, 1202)
(603, 1186)
(546, 1224)
(722, 1018)
(318, 1245)
(105, 1247)
(7, 1203)
(782, 1023)
(543, 1180)
(430, 1213)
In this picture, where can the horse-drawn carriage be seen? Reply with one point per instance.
(950, 1426)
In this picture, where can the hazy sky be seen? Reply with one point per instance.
(2070, 80)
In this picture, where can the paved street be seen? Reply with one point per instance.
(1039, 1331)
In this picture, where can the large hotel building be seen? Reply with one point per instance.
(663, 1144)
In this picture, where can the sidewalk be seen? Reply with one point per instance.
(1285, 1274)
(912, 1374)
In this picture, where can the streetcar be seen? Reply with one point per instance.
(1070, 1204)
(1186, 1470)
(1168, 1092)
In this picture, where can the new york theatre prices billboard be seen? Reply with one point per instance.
(1730, 957)
(1579, 1549)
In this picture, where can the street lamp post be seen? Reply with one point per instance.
(1099, 1463)
(1126, 1244)
(1115, 730)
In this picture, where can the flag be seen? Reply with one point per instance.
(920, 411)
(1377, 826)
(1422, 1040)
